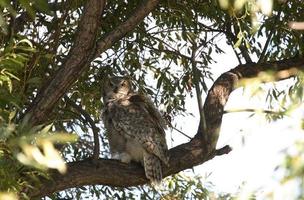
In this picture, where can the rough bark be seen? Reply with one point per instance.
(188, 155)
(79, 57)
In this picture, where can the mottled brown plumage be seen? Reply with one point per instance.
(135, 127)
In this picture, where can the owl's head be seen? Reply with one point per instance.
(116, 88)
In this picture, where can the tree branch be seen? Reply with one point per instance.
(119, 32)
(88, 118)
(224, 150)
(232, 37)
(219, 93)
(78, 59)
(202, 122)
(181, 132)
(115, 173)
(255, 111)
(188, 155)
(271, 33)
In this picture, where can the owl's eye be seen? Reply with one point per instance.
(123, 83)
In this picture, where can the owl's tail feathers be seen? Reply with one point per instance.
(153, 169)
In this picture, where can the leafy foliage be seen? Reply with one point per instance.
(169, 56)
(25, 152)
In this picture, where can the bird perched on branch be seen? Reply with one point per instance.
(134, 126)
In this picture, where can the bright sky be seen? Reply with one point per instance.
(257, 144)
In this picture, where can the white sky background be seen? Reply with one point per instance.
(257, 144)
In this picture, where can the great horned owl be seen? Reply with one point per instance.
(135, 127)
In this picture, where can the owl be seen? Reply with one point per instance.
(134, 127)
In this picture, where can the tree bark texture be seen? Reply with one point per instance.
(79, 57)
(188, 155)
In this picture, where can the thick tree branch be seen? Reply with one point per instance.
(79, 57)
(188, 155)
(224, 150)
(115, 173)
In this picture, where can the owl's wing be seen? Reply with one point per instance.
(146, 103)
(158, 144)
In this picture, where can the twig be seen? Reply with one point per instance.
(224, 150)
(210, 29)
(233, 38)
(203, 124)
(181, 132)
(88, 118)
(174, 52)
(255, 110)
(263, 54)
(236, 53)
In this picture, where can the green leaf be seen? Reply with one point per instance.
(12, 115)
(160, 46)
(11, 75)
(159, 82)
(58, 137)
(42, 6)
(26, 41)
(238, 43)
(6, 4)
(248, 46)
(27, 6)
(46, 129)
